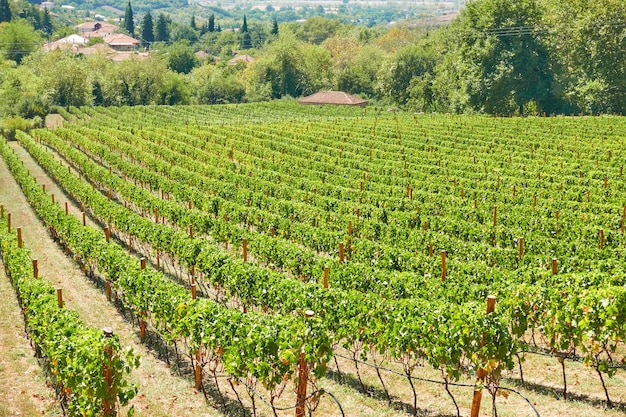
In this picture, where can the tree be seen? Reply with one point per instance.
(591, 53)
(193, 22)
(211, 26)
(501, 70)
(46, 24)
(274, 30)
(5, 11)
(129, 23)
(408, 63)
(162, 31)
(147, 30)
(18, 39)
(244, 26)
(180, 58)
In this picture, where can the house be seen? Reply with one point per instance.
(241, 58)
(121, 42)
(337, 98)
(96, 29)
(72, 42)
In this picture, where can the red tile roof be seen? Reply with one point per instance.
(333, 97)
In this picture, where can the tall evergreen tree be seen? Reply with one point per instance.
(211, 27)
(5, 11)
(162, 32)
(274, 30)
(193, 22)
(46, 24)
(129, 22)
(244, 27)
(147, 30)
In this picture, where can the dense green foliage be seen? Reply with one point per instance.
(395, 188)
(75, 354)
(496, 57)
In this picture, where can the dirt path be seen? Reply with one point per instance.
(160, 392)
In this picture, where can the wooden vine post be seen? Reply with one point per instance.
(520, 244)
(495, 215)
(554, 266)
(601, 238)
(108, 403)
(244, 244)
(478, 391)
(623, 218)
(325, 277)
(197, 367)
(341, 254)
(444, 266)
(67, 209)
(60, 297)
(303, 377)
(84, 219)
(8, 222)
(19, 237)
(107, 234)
(35, 269)
(142, 263)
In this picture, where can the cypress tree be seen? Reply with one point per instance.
(274, 30)
(162, 34)
(193, 22)
(46, 24)
(244, 27)
(129, 23)
(211, 27)
(147, 30)
(5, 11)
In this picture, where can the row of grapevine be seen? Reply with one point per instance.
(89, 369)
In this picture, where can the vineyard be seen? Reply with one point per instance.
(275, 247)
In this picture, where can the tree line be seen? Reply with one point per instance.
(495, 57)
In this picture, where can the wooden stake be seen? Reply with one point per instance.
(623, 218)
(67, 209)
(535, 201)
(520, 245)
(60, 297)
(198, 372)
(2, 210)
(156, 214)
(303, 376)
(84, 219)
(19, 237)
(514, 191)
(108, 403)
(43, 187)
(244, 244)
(142, 263)
(444, 267)
(108, 289)
(52, 198)
(35, 269)
(606, 182)
(350, 228)
(193, 291)
(601, 238)
(142, 329)
(191, 231)
(273, 231)
(325, 277)
(554, 266)
(8, 222)
(341, 257)
(478, 392)
(107, 234)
